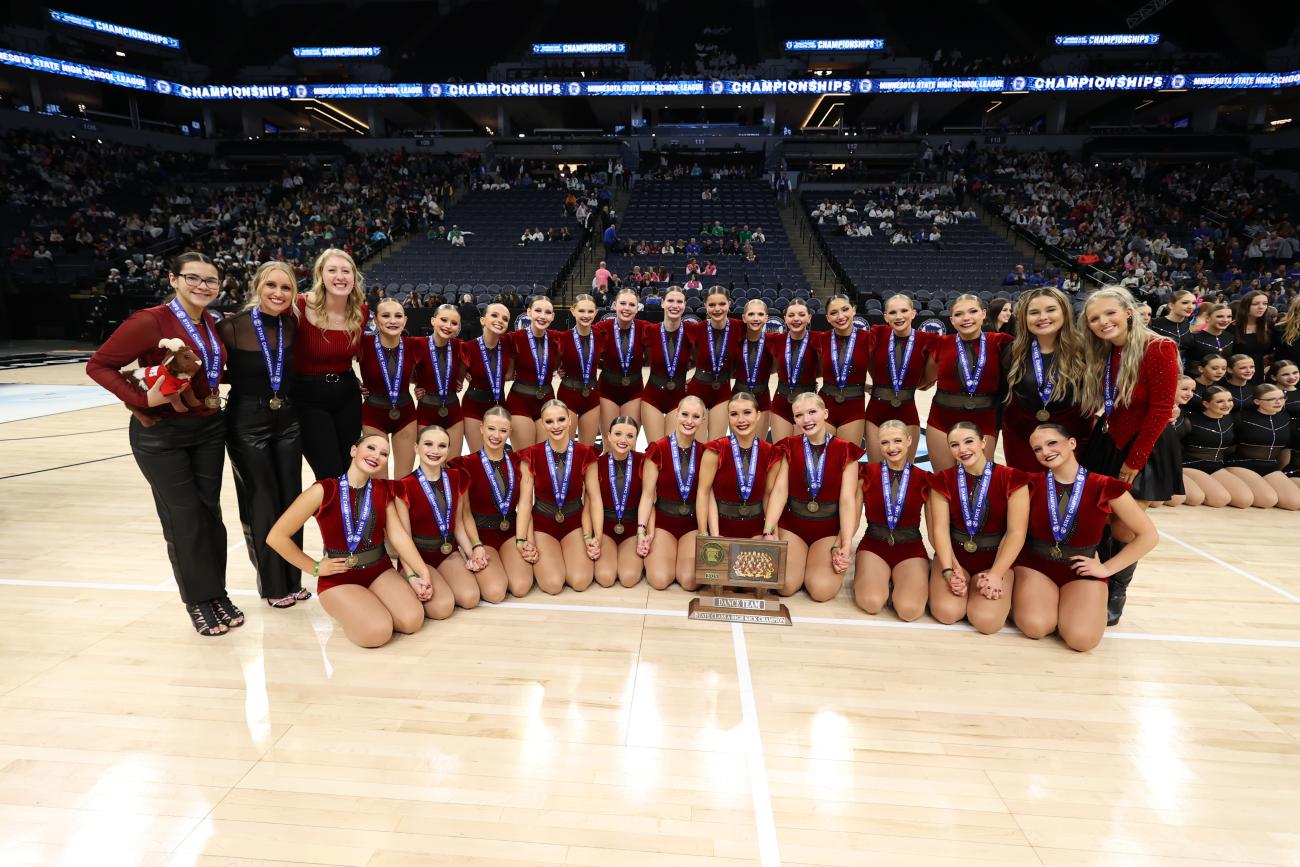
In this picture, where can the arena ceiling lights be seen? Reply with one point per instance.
(687, 87)
(110, 29)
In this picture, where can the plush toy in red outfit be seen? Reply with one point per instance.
(176, 371)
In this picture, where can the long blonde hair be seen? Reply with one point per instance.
(259, 277)
(353, 320)
(1096, 351)
(1291, 323)
(1067, 367)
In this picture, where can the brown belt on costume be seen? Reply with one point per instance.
(659, 380)
(381, 401)
(1046, 550)
(365, 556)
(493, 522)
(983, 541)
(884, 392)
(707, 377)
(431, 399)
(575, 383)
(839, 395)
(432, 544)
(531, 389)
(897, 536)
(792, 390)
(823, 511)
(961, 400)
(571, 507)
(739, 511)
(675, 507)
(480, 395)
(616, 377)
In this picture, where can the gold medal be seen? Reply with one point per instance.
(839, 398)
(745, 510)
(442, 412)
(670, 384)
(1042, 415)
(813, 506)
(618, 529)
(352, 560)
(586, 390)
(212, 402)
(891, 538)
(970, 546)
(715, 385)
(627, 380)
(1056, 552)
(559, 517)
(504, 525)
(446, 548)
(970, 401)
(275, 402)
(684, 509)
(394, 413)
(895, 401)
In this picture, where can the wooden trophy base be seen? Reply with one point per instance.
(739, 607)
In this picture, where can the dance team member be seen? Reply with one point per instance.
(1239, 381)
(387, 372)
(1178, 428)
(556, 502)
(812, 502)
(359, 513)
(979, 515)
(968, 368)
(441, 524)
(899, 353)
(439, 371)
(1252, 330)
(487, 363)
(1043, 367)
(618, 474)
(716, 342)
(623, 343)
(891, 553)
(754, 366)
(669, 353)
(536, 354)
(735, 475)
(1207, 443)
(493, 501)
(669, 491)
(1286, 337)
(1177, 321)
(579, 348)
(1286, 374)
(327, 396)
(1213, 368)
(1060, 578)
(262, 432)
(1132, 375)
(1216, 336)
(1263, 439)
(794, 365)
(181, 455)
(844, 356)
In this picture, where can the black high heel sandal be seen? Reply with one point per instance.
(227, 612)
(302, 595)
(205, 619)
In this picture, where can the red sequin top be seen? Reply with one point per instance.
(319, 351)
(1144, 417)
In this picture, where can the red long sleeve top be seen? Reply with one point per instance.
(1143, 418)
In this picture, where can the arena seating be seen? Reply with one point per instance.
(491, 262)
(672, 209)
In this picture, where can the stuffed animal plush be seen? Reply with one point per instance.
(176, 372)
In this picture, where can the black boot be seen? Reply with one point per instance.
(1118, 594)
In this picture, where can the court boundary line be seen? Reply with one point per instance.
(769, 850)
(1286, 594)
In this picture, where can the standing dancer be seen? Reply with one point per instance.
(439, 370)
(669, 353)
(898, 362)
(536, 354)
(387, 371)
(716, 342)
(795, 366)
(579, 349)
(754, 370)
(623, 339)
(487, 362)
(844, 354)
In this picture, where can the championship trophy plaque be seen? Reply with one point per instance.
(739, 575)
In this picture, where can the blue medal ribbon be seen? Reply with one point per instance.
(625, 356)
(1045, 384)
(392, 383)
(1108, 388)
(560, 484)
(210, 354)
(274, 369)
(503, 500)
(744, 481)
(1062, 525)
(539, 365)
(441, 377)
(671, 364)
(898, 372)
(815, 471)
(620, 500)
(894, 509)
(792, 368)
(842, 371)
(684, 487)
(442, 519)
(974, 515)
(352, 531)
(969, 377)
(494, 379)
(586, 363)
(716, 359)
(751, 373)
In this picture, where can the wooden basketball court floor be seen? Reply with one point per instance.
(604, 728)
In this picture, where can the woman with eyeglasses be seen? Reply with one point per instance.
(1285, 374)
(1263, 441)
(181, 454)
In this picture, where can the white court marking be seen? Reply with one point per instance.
(20, 402)
(1226, 565)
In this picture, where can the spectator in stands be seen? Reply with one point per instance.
(710, 269)
(42, 254)
(668, 249)
(610, 238)
(663, 275)
(934, 236)
(602, 278)
(693, 282)
(1017, 277)
(900, 237)
(758, 237)
(692, 247)
(692, 266)
(750, 256)
(456, 236)
(999, 315)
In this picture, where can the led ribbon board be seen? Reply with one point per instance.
(339, 51)
(1108, 40)
(835, 45)
(579, 48)
(111, 29)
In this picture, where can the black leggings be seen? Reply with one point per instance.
(329, 413)
(265, 448)
(182, 460)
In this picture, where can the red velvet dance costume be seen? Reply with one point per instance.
(726, 486)
(637, 466)
(329, 520)
(663, 453)
(450, 357)
(659, 395)
(749, 352)
(717, 390)
(1019, 415)
(375, 409)
(424, 527)
(321, 351)
(873, 501)
(535, 457)
(786, 390)
(1094, 512)
(612, 336)
(1004, 483)
(841, 457)
(482, 502)
(570, 390)
(1137, 425)
(479, 397)
(950, 380)
(525, 371)
(843, 409)
(879, 408)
